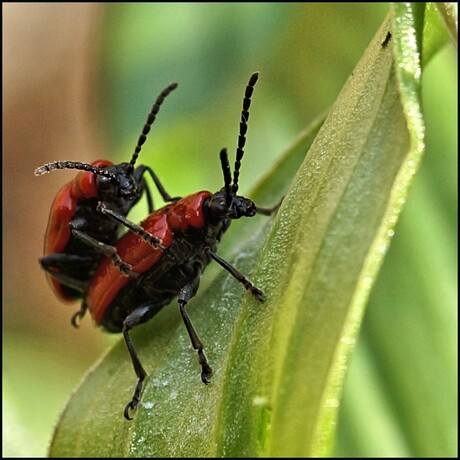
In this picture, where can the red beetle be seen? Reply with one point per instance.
(170, 250)
(78, 236)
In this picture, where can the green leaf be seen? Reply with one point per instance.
(449, 15)
(400, 399)
(435, 34)
(279, 366)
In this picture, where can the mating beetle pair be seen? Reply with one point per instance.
(156, 261)
(78, 236)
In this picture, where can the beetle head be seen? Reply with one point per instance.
(226, 203)
(119, 184)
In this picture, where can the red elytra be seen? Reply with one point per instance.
(108, 281)
(57, 235)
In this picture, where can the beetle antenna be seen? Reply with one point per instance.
(148, 124)
(47, 167)
(227, 174)
(243, 128)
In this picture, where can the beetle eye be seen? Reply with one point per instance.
(103, 182)
(217, 205)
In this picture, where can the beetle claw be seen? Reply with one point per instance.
(129, 406)
(206, 372)
(78, 316)
(258, 294)
(126, 269)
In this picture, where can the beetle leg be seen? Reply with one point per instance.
(269, 211)
(105, 249)
(146, 236)
(139, 172)
(138, 316)
(78, 285)
(148, 194)
(255, 291)
(186, 293)
(78, 315)
(56, 264)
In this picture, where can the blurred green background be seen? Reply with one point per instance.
(79, 80)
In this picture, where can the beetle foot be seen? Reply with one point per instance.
(132, 405)
(206, 370)
(78, 316)
(258, 294)
(126, 270)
